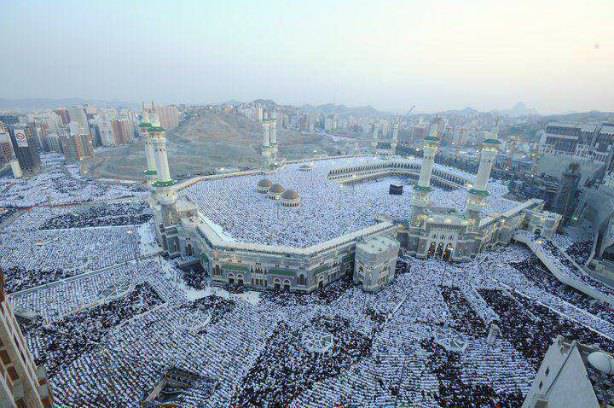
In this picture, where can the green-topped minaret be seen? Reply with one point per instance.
(479, 191)
(151, 174)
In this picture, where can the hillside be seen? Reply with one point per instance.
(211, 140)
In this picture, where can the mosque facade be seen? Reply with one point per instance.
(431, 231)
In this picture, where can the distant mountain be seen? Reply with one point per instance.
(468, 111)
(520, 109)
(591, 116)
(34, 104)
(330, 108)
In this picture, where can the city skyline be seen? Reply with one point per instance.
(438, 57)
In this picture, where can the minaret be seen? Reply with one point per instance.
(150, 171)
(163, 185)
(395, 137)
(266, 134)
(420, 200)
(273, 132)
(375, 134)
(273, 138)
(479, 191)
(267, 150)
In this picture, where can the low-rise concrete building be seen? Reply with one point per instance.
(375, 262)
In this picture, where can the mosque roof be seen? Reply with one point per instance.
(265, 183)
(290, 195)
(277, 189)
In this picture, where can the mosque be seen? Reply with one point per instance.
(301, 225)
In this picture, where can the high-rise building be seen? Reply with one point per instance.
(105, 129)
(53, 140)
(26, 148)
(9, 119)
(122, 131)
(169, 116)
(63, 114)
(77, 115)
(567, 194)
(418, 132)
(22, 384)
(77, 147)
(579, 142)
(6, 148)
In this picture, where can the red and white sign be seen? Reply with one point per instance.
(20, 137)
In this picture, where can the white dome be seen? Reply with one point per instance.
(602, 362)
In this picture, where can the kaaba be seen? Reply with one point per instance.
(396, 189)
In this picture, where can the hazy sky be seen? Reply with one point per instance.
(555, 56)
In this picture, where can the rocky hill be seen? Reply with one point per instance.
(209, 140)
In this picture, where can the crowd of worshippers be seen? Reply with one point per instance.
(67, 339)
(18, 278)
(53, 186)
(80, 249)
(536, 272)
(571, 268)
(501, 267)
(257, 363)
(195, 276)
(55, 301)
(325, 295)
(465, 320)
(215, 306)
(328, 210)
(531, 327)
(454, 391)
(286, 367)
(98, 216)
(580, 251)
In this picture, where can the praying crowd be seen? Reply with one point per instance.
(331, 208)
(580, 251)
(58, 186)
(385, 346)
(109, 319)
(115, 214)
(35, 257)
(76, 334)
(567, 265)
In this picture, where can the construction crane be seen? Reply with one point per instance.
(410, 111)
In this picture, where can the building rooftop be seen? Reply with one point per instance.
(376, 245)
